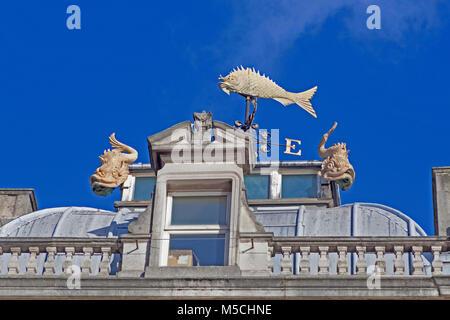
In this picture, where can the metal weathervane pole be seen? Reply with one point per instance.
(248, 122)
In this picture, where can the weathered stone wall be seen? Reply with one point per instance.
(441, 200)
(15, 203)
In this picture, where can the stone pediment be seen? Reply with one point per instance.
(202, 141)
(166, 139)
(228, 133)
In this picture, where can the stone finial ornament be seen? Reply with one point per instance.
(250, 83)
(203, 120)
(114, 167)
(335, 166)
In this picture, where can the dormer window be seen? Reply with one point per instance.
(299, 186)
(143, 187)
(196, 229)
(258, 186)
(201, 209)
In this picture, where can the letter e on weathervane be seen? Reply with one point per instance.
(290, 146)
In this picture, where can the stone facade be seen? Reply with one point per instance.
(281, 245)
(15, 203)
(441, 200)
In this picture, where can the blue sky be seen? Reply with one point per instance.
(137, 67)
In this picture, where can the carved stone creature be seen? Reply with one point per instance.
(114, 167)
(202, 120)
(335, 166)
(250, 83)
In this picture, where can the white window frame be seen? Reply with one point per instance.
(194, 229)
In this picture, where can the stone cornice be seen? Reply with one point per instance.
(226, 287)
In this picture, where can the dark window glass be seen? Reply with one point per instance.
(299, 186)
(199, 210)
(207, 249)
(257, 186)
(143, 188)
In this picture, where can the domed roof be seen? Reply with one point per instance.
(70, 222)
(357, 219)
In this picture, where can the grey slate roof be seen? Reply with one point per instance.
(70, 222)
(357, 219)
(67, 222)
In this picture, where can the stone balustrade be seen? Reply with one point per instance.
(356, 255)
(268, 266)
(57, 256)
(261, 254)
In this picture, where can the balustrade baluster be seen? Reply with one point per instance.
(32, 262)
(105, 267)
(49, 265)
(361, 264)
(324, 263)
(342, 265)
(437, 264)
(417, 262)
(380, 263)
(304, 261)
(269, 259)
(67, 265)
(399, 264)
(13, 264)
(86, 267)
(286, 264)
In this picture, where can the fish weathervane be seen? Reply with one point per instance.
(251, 84)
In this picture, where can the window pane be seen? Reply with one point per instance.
(207, 249)
(143, 188)
(199, 210)
(257, 186)
(299, 186)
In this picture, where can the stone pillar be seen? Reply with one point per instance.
(275, 185)
(254, 256)
(134, 255)
(441, 200)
